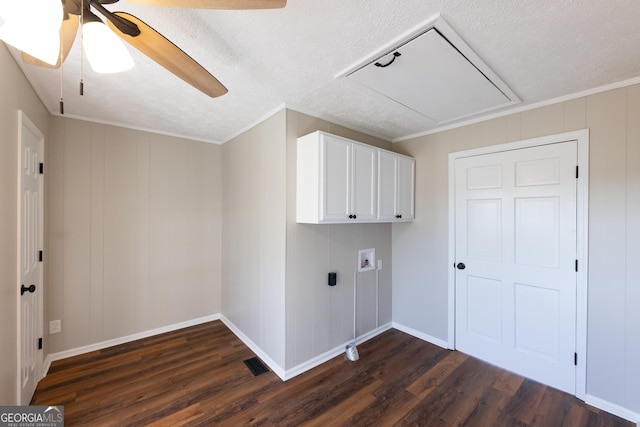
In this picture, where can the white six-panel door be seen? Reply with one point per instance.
(515, 250)
(30, 243)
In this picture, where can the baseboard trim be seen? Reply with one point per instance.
(276, 368)
(613, 408)
(421, 335)
(336, 351)
(287, 374)
(122, 340)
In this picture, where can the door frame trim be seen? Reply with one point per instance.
(25, 122)
(582, 235)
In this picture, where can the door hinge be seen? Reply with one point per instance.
(40, 255)
(577, 174)
(39, 343)
(575, 359)
(576, 265)
(41, 168)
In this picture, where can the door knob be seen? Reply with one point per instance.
(31, 289)
(461, 266)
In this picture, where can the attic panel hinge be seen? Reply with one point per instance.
(575, 359)
(577, 174)
(39, 343)
(41, 168)
(40, 256)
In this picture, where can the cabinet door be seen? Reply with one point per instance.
(387, 185)
(336, 169)
(406, 183)
(363, 185)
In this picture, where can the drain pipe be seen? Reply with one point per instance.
(355, 305)
(351, 349)
(377, 298)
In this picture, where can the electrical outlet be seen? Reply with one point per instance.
(379, 264)
(55, 327)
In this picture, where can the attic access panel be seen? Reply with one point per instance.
(428, 74)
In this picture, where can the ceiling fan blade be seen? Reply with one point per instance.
(217, 4)
(68, 32)
(157, 47)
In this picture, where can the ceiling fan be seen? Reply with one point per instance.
(147, 40)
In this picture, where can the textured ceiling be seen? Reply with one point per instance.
(268, 59)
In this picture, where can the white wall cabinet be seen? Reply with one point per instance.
(338, 179)
(396, 177)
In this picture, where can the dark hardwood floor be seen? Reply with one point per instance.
(196, 377)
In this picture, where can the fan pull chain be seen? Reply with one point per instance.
(61, 98)
(61, 72)
(61, 87)
(82, 48)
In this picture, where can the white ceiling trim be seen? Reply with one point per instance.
(138, 128)
(40, 94)
(17, 57)
(521, 108)
(255, 123)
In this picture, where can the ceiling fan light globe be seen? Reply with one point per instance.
(33, 27)
(34, 13)
(105, 52)
(45, 45)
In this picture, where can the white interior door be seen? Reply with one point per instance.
(30, 243)
(515, 249)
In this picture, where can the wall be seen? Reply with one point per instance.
(319, 317)
(275, 289)
(420, 295)
(15, 94)
(135, 231)
(254, 203)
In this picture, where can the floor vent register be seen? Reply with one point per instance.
(256, 366)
